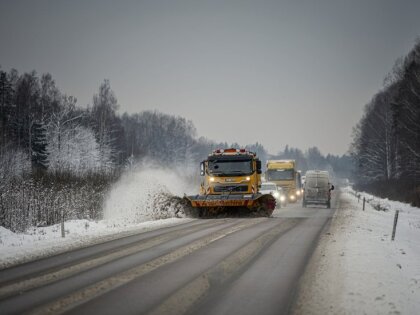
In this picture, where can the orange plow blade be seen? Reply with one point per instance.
(263, 204)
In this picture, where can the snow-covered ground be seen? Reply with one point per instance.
(44, 241)
(145, 198)
(357, 269)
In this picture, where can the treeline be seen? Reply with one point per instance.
(58, 136)
(386, 141)
(56, 159)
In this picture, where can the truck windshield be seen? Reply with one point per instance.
(229, 167)
(285, 174)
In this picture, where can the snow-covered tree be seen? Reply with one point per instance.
(6, 108)
(107, 125)
(73, 149)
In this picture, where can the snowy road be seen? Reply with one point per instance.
(213, 266)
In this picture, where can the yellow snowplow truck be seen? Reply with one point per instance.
(230, 181)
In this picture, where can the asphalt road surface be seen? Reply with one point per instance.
(207, 266)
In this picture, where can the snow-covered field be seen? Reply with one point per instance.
(357, 269)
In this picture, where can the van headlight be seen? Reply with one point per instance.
(276, 194)
(212, 179)
(282, 198)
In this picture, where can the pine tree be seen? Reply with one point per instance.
(6, 108)
(38, 146)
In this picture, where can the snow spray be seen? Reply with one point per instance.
(146, 193)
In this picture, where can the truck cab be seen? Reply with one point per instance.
(230, 171)
(285, 175)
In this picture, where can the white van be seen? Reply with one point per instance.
(317, 189)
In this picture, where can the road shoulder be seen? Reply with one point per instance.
(357, 269)
(315, 292)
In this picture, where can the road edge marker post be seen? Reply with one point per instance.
(63, 232)
(394, 229)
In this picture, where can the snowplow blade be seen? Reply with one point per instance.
(222, 200)
(257, 203)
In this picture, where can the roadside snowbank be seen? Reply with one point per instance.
(357, 269)
(40, 242)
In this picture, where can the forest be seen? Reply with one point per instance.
(59, 160)
(386, 141)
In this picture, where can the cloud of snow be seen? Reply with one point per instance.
(147, 193)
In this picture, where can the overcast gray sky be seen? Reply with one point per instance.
(276, 72)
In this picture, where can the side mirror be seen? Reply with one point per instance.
(332, 187)
(259, 167)
(202, 169)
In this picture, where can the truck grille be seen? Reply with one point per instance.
(231, 188)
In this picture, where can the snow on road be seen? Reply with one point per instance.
(357, 269)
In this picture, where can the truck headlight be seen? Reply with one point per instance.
(282, 198)
(276, 194)
(212, 179)
(248, 178)
(298, 192)
(292, 197)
